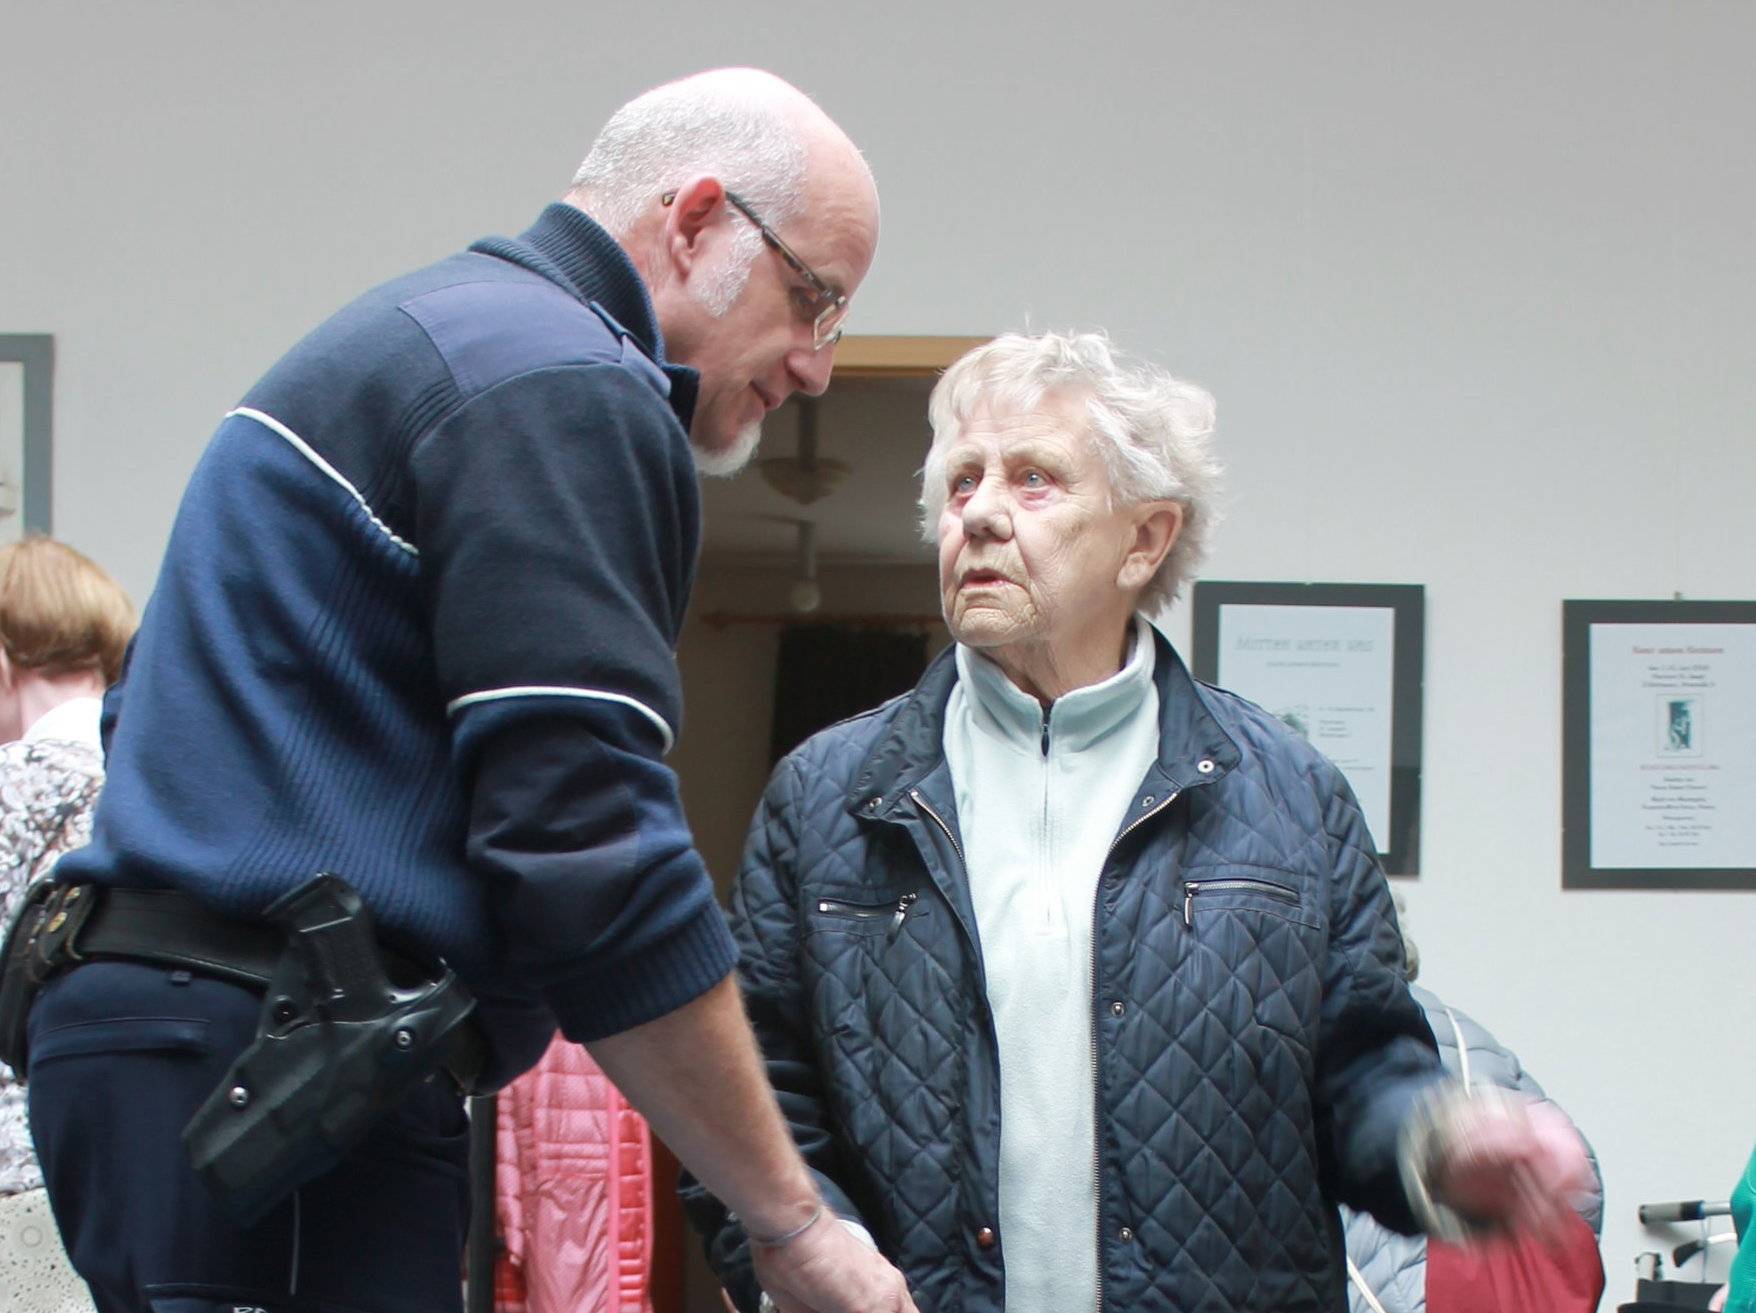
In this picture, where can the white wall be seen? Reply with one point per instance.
(1473, 285)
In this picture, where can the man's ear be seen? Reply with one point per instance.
(698, 205)
(1156, 530)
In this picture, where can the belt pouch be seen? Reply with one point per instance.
(39, 939)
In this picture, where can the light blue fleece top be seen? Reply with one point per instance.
(1040, 797)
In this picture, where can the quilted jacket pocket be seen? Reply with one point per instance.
(838, 914)
(1242, 893)
(1253, 920)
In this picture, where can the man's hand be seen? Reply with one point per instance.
(827, 1269)
(1512, 1162)
(696, 1075)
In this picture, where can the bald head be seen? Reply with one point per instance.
(697, 180)
(758, 134)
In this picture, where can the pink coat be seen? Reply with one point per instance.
(573, 1187)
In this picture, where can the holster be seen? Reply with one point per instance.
(339, 1044)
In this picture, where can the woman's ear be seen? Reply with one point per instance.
(1156, 530)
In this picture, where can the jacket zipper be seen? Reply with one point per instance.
(921, 802)
(1097, 1102)
(915, 796)
(1097, 1111)
(1278, 892)
(902, 906)
(1138, 821)
(868, 911)
(1046, 845)
(1097, 1157)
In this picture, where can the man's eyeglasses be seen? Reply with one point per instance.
(819, 302)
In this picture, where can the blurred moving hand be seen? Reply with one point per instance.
(1513, 1163)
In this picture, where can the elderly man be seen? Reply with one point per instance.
(415, 627)
(1078, 980)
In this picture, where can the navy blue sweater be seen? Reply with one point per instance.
(415, 625)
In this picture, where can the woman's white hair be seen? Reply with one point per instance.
(741, 125)
(1153, 431)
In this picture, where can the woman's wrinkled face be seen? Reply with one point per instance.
(1031, 550)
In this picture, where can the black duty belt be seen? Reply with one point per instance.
(346, 1031)
(166, 927)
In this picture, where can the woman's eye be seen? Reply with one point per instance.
(963, 483)
(1035, 479)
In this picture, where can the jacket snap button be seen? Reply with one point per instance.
(1125, 1235)
(1146, 801)
(1116, 1009)
(874, 804)
(986, 1237)
(1205, 765)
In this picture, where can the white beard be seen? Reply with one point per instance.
(724, 464)
(716, 294)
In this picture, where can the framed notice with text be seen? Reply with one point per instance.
(1658, 748)
(1340, 665)
(27, 367)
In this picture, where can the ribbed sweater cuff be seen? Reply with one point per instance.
(635, 990)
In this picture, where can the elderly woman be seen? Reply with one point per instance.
(1077, 979)
(63, 627)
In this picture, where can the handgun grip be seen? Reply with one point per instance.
(329, 925)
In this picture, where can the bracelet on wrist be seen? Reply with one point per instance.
(787, 1237)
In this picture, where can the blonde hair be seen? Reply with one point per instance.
(60, 612)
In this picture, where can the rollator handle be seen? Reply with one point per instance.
(1686, 1210)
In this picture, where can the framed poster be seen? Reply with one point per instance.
(27, 365)
(1340, 664)
(1658, 748)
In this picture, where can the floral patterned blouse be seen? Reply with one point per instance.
(48, 785)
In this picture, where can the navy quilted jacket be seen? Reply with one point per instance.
(1256, 1046)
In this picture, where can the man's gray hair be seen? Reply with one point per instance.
(1153, 431)
(730, 124)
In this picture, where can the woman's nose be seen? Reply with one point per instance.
(984, 512)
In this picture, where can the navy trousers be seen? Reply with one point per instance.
(121, 1055)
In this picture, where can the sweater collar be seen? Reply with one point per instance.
(912, 745)
(1075, 721)
(568, 247)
